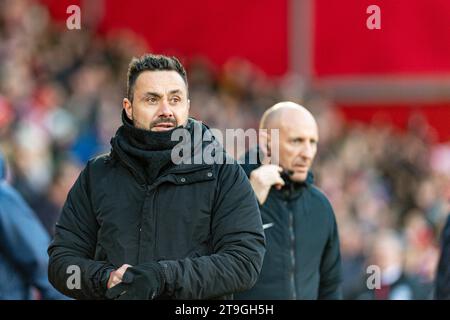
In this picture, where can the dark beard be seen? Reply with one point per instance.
(138, 125)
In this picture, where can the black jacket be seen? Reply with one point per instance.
(303, 256)
(443, 273)
(199, 221)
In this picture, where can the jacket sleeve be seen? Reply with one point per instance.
(72, 269)
(330, 267)
(24, 241)
(238, 245)
(443, 272)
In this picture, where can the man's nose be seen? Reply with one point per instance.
(307, 151)
(164, 110)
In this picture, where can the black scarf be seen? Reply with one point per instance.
(148, 149)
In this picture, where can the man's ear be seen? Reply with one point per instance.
(269, 146)
(128, 108)
(263, 146)
(189, 104)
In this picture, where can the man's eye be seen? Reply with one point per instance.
(151, 99)
(175, 100)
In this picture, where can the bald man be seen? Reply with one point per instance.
(303, 258)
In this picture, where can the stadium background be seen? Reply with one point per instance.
(381, 97)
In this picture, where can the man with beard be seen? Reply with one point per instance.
(303, 256)
(139, 226)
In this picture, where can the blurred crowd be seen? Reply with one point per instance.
(390, 191)
(60, 103)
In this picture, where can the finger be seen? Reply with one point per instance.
(124, 267)
(278, 186)
(128, 277)
(280, 182)
(274, 171)
(113, 279)
(122, 270)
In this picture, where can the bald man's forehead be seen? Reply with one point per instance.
(291, 117)
(296, 129)
(297, 126)
(285, 112)
(298, 113)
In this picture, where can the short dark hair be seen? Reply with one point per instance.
(152, 62)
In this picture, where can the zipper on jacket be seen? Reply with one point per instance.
(155, 215)
(147, 189)
(292, 254)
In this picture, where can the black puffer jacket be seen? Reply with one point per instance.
(201, 223)
(303, 257)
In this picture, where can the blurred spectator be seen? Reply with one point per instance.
(353, 259)
(388, 254)
(23, 242)
(49, 206)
